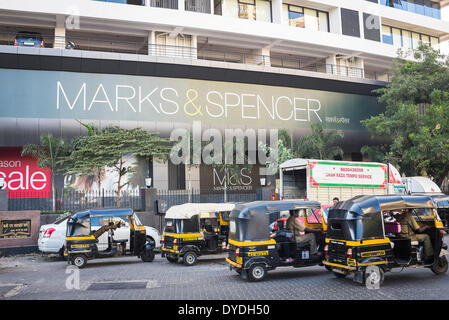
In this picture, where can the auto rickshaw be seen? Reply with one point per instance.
(195, 229)
(253, 251)
(82, 240)
(364, 237)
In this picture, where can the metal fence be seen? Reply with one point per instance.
(73, 200)
(76, 200)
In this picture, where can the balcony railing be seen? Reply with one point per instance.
(423, 7)
(210, 54)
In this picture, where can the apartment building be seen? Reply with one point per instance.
(165, 64)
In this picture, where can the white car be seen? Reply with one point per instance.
(52, 236)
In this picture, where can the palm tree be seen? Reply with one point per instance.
(48, 153)
(319, 144)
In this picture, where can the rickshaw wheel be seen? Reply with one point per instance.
(376, 273)
(257, 272)
(440, 266)
(328, 268)
(190, 258)
(79, 260)
(148, 257)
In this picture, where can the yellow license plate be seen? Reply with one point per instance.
(257, 253)
(79, 246)
(373, 253)
(238, 260)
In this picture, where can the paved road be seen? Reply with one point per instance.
(34, 277)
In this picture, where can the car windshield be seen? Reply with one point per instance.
(60, 220)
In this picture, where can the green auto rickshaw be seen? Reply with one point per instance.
(82, 239)
(370, 235)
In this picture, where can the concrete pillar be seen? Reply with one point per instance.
(261, 57)
(194, 46)
(444, 40)
(60, 33)
(212, 7)
(181, 5)
(152, 43)
(331, 63)
(277, 11)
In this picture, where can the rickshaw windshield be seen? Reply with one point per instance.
(191, 225)
(172, 225)
(78, 227)
(209, 224)
(254, 229)
(353, 226)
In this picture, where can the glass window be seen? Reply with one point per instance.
(323, 21)
(247, 10)
(296, 16)
(435, 43)
(425, 39)
(311, 19)
(416, 39)
(387, 36)
(397, 41)
(190, 225)
(406, 39)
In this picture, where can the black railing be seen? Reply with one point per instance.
(76, 200)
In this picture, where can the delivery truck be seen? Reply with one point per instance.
(322, 180)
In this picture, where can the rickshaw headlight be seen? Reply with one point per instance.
(326, 249)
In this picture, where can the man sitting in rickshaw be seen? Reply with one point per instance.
(297, 227)
(408, 228)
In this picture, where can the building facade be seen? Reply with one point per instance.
(225, 64)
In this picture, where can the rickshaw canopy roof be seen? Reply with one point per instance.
(442, 200)
(247, 210)
(371, 204)
(204, 210)
(125, 212)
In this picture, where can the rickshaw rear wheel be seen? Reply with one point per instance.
(378, 277)
(79, 260)
(439, 266)
(257, 272)
(147, 257)
(190, 258)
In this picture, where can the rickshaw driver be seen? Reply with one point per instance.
(297, 227)
(408, 228)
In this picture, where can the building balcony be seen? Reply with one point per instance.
(74, 44)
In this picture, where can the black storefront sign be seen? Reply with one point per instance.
(15, 229)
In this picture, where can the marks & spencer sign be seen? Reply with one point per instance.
(70, 95)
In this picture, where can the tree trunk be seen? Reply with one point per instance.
(119, 187)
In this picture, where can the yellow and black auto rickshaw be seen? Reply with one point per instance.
(195, 229)
(82, 242)
(366, 236)
(254, 250)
